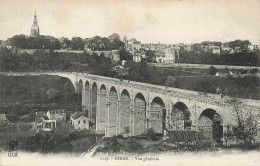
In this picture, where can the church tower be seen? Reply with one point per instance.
(35, 30)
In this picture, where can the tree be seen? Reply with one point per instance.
(150, 56)
(125, 55)
(19, 41)
(65, 43)
(114, 37)
(144, 71)
(246, 125)
(77, 43)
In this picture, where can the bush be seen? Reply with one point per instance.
(242, 71)
(187, 136)
(150, 134)
(133, 146)
(254, 70)
(212, 70)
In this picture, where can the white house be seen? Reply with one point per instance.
(215, 50)
(225, 47)
(43, 123)
(160, 57)
(59, 115)
(79, 121)
(169, 55)
(137, 58)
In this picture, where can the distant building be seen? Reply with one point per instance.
(137, 58)
(215, 50)
(43, 123)
(206, 49)
(59, 115)
(252, 47)
(256, 47)
(114, 55)
(35, 30)
(169, 55)
(225, 47)
(49, 125)
(136, 45)
(79, 121)
(160, 57)
(187, 47)
(165, 56)
(237, 49)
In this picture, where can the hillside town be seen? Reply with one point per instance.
(98, 96)
(113, 46)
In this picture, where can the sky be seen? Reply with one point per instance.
(150, 21)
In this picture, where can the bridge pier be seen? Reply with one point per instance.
(102, 110)
(83, 99)
(87, 99)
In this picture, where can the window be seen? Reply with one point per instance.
(84, 121)
(79, 122)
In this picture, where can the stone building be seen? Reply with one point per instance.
(79, 121)
(59, 115)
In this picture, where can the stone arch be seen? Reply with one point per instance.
(112, 112)
(102, 109)
(80, 86)
(142, 92)
(87, 99)
(124, 113)
(180, 118)
(210, 123)
(157, 120)
(139, 115)
(93, 105)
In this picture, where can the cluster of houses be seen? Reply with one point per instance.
(48, 121)
(166, 53)
(163, 53)
(224, 48)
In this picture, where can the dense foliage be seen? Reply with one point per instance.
(240, 59)
(47, 42)
(96, 43)
(42, 61)
(37, 93)
(200, 56)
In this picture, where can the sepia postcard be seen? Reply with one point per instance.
(129, 82)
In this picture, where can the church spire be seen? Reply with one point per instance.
(35, 22)
(35, 30)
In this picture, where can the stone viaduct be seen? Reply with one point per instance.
(122, 107)
(130, 108)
